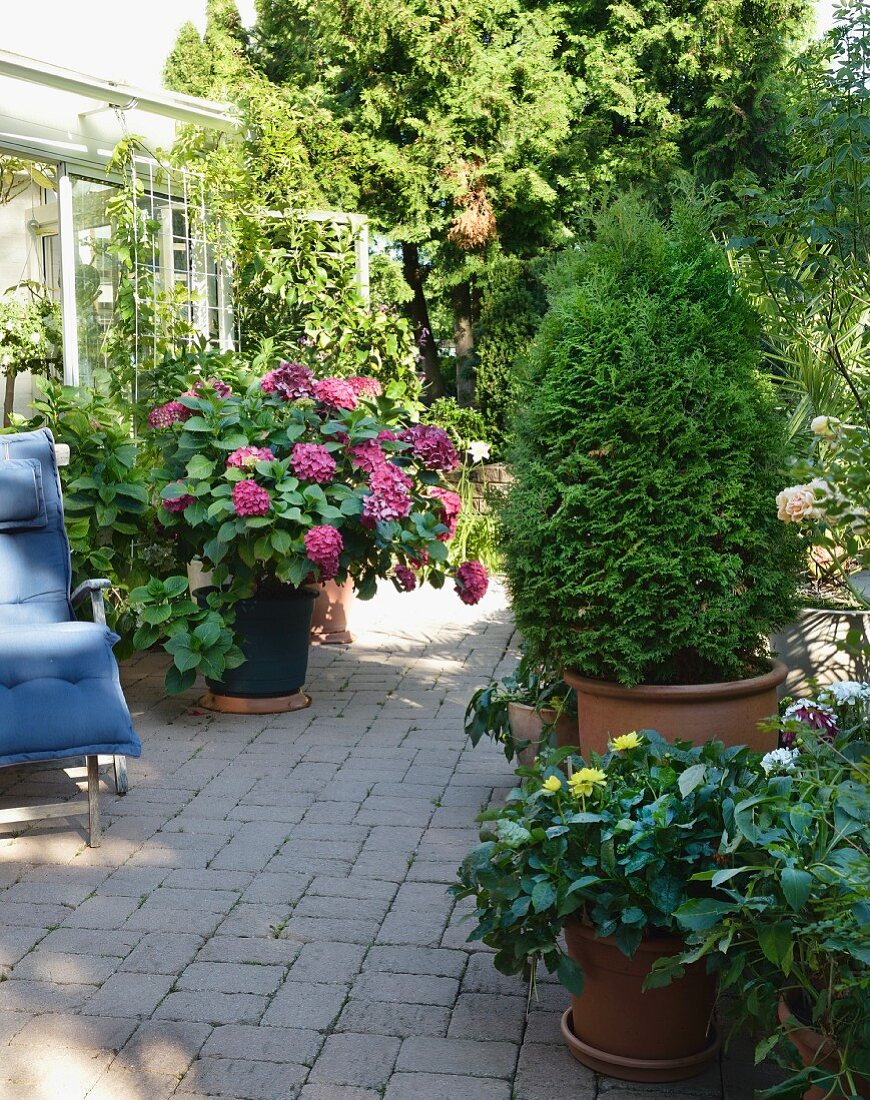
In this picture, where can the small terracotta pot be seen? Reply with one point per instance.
(728, 712)
(815, 1050)
(332, 608)
(527, 724)
(617, 1028)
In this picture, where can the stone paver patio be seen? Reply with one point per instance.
(266, 918)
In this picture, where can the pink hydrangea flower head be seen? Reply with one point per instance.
(387, 436)
(451, 506)
(251, 499)
(365, 387)
(367, 455)
(289, 381)
(179, 503)
(406, 578)
(247, 457)
(390, 497)
(324, 545)
(471, 582)
(337, 393)
(431, 445)
(164, 416)
(312, 462)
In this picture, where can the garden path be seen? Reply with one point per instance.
(266, 918)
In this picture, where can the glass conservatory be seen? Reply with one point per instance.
(64, 274)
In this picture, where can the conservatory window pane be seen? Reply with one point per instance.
(96, 271)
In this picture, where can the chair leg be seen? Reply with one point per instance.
(93, 801)
(120, 765)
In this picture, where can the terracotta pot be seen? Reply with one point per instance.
(329, 623)
(527, 724)
(812, 647)
(729, 711)
(815, 1050)
(619, 1029)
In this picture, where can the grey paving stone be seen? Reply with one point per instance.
(163, 953)
(35, 997)
(424, 989)
(383, 1018)
(339, 962)
(66, 1031)
(129, 994)
(84, 941)
(268, 1044)
(545, 1071)
(212, 1008)
(305, 1005)
(66, 967)
(488, 1016)
(16, 942)
(424, 1054)
(438, 1086)
(249, 949)
(338, 1092)
(243, 1080)
(162, 1046)
(353, 1059)
(108, 912)
(231, 977)
(416, 960)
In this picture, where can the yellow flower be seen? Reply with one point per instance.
(552, 784)
(584, 782)
(626, 741)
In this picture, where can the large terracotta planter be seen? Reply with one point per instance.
(729, 712)
(812, 648)
(527, 724)
(814, 1050)
(331, 616)
(619, 1029)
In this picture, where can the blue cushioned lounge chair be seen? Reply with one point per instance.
(60, 694)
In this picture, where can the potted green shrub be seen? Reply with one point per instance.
(787, 923)
(284, 483)
(608, 852)
(522, 711)
(642, 550)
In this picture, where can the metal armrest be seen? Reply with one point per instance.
(95, 589)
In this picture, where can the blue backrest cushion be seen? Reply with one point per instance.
(34, 558)
(22, 503)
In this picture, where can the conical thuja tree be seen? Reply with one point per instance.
(641, 537)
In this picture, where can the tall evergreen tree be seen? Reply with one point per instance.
(216, 64)
(486, 126)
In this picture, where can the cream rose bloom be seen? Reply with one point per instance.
(800, 502)
(825, 426)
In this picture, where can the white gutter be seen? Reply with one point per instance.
(182, 108)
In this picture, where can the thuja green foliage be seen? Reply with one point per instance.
(512, 305)
(641, 538)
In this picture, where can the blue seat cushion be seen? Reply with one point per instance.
(22, 503)
(60, 694)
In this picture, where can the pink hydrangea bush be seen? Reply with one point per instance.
(298, 479)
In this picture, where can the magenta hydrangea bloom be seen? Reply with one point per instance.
(367, 455)
(390, 497)
(246, 457)
(164, 416)
(251, 499)
(451, 506)
(337, 393)
(289, 381)
(471, 582)
(431, 445)
(178, 504)
(406, 578)
(312, 462)
(365, 387)
(323, 545)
